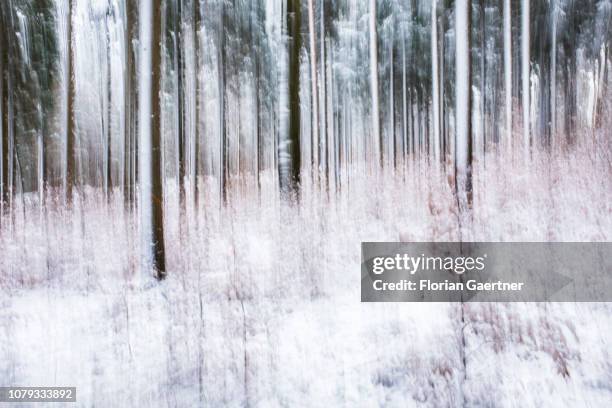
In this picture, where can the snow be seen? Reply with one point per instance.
(261, 306)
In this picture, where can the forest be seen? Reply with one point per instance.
(188, 182)
(129, 97)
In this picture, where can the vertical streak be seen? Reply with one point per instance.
(525, 41)
(553, 74)
(463, 101)
(508, 70)
(435, 85)
(374, 83)
(313, 81)
(149, 146)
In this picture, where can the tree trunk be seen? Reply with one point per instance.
(441, 111)
(324, 134)
(128, 73)
(483, 79)
(525, 71)
(392, 107)
(553, 75)
(463, 81)
(435, 91)
(223, 154)
(109, 136)
(315, 95)
(180, 101)
(70, 127)
(195, 153)
(377, 142)
(150, 144)
(4, 128)
(293, 79)
(404, 112)
(508, 71)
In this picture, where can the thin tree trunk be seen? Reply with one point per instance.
(223, 154)
(331, 117)
(324, 134)
(195, 151)
(392, 107)
(293, 79)
(463, 81)
(404, 112)
(598, 109)
(314, 85)
(441, 111)
(4, 128)
(180, 103)
(127, 102)
(435, 92)
(525, 71)
(258, 166)
(109, 153)
(483, 78)
(70, 128)
(150, 146)
(508, 71)
(553, 75)
(376, 135)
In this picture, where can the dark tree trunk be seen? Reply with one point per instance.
(470, 136)
(178, 44)
(223, 158)
(295, 43)
(129, 103)
(157, 173)
(70, 128)
(109, 154)
(196, 141)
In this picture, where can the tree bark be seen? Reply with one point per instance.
(376, 134)
(295, 44)
(553, 75)
(463, 82)
(4, 128)
(223, 154)
(109, 136)
(128, 105)
(314, 86)
(70, 127)
(179, 68)
(195, 151)
(150, 144)
(435, 92)
(508, 71)
(156, 149)
(483, 79)
(525, 73)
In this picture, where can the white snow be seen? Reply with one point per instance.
(261, 305)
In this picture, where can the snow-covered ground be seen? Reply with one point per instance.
(262, 307)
